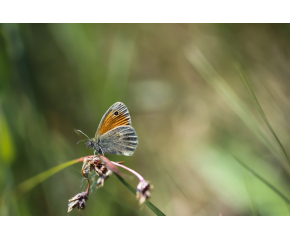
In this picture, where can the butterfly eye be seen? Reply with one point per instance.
(89, 144)
(116, 113)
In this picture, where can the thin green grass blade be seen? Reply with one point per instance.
(263, 180)
(148, 203)
(34, 181)
(246, 82)
(219, 84)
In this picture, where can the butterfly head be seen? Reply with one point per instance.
(90, 144)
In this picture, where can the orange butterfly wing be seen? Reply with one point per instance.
(117, 115)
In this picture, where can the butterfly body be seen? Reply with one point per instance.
(115, 135)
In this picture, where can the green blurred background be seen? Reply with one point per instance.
(189, 106)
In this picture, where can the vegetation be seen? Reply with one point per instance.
(209, 102)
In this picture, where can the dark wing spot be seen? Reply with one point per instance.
(116, 113)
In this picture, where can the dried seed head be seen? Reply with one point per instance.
(78, 200)
(101, 180)
(143, 191)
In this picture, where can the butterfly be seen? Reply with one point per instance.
(115, 134)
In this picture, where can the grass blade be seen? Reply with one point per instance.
(264, 181)
(206, 70)
(34, 181)
(246, 82)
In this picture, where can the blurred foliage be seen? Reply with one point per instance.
(188, 103)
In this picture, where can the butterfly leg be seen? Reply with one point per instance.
(101, 151)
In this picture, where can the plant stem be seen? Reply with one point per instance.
(34, 181)
(130, 170)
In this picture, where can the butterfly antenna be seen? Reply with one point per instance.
(83, 134)
(81, 141)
